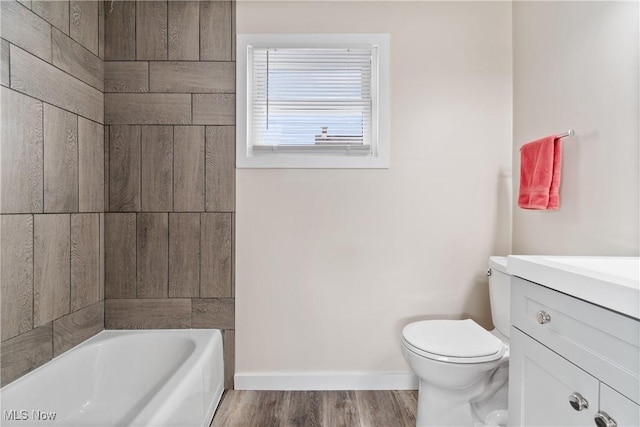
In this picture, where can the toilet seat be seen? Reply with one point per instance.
(453, 341)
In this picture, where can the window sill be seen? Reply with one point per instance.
(292, 160)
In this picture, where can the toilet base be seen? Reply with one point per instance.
(443, 407)
(498, 418)
(477, 405)
(491, 405)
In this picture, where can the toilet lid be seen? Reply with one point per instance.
(452, 338)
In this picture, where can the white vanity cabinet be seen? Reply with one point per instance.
(627, 412)
(572, 363)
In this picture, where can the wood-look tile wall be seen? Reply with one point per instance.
(125, 108)
(52, 173)
(169, 108)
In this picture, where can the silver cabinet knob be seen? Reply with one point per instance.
(603, 419)
(578, 402)
(543, 317)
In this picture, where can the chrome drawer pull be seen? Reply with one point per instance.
(604, 420)
(578, 402)
(543, 317)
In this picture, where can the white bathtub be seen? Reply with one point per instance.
(123, 378)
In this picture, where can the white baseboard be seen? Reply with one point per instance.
(325, 381)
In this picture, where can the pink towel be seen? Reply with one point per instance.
(540, 163)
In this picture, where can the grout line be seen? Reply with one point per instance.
(50, 43)
(168, 258)
(199, 30)
(33, 271)
(230, 21)
(140, 171)
(135, 31)
(170, 216)
(100, 259)
(204, 190)
(62, 213)
(106, 205)
(43, 159)
(233, 256)
(140, 205)
(200, 257)
(9, 61)
(78, 157)
(70, 256)
(136, 252)
(173, 168)
(100, 2)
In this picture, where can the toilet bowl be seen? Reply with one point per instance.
(462, 368)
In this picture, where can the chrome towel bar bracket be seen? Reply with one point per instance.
(568, 133)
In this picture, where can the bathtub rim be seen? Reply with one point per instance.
(100, 336)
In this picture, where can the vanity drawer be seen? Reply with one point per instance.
(602, 342)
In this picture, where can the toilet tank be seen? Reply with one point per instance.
(500, 294)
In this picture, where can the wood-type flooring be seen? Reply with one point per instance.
(240, 408)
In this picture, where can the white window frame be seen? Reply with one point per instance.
(378, 158)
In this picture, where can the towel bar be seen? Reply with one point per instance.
(568, 133)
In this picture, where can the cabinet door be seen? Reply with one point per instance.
(541, 386)
(625, 412)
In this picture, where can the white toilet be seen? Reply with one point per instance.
(462, 367)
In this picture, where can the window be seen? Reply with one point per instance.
(313, 101)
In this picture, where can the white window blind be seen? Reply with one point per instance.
(312, 99)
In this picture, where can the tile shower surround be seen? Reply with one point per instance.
(118, 203)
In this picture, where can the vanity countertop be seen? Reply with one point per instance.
(610, 282)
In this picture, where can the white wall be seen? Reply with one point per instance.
(331, 264)
(576, 66)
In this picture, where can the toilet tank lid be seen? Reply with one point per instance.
(499, 263)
